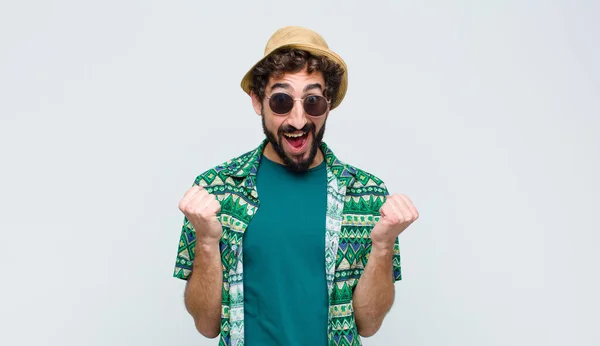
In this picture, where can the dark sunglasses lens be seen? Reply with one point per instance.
(315, 105)
(281, 103)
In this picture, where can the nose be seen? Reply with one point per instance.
(297, 117)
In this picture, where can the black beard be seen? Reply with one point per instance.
(292, 165)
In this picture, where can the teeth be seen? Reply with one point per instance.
(294, 135)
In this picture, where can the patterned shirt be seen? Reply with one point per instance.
(354, 198)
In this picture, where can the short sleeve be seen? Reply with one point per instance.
(185, 251)
(396, 266)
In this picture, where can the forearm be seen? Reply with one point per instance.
(204, 289)
(374, 294)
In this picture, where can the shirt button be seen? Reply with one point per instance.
(250, 212)
(233, 247)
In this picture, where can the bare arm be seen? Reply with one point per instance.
(203, 290)
(374, 293)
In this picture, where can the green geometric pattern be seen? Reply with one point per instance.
(354, 198)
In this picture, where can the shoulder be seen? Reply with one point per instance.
(365, 182)
(356, 180)
(365, 192)
(238, 166)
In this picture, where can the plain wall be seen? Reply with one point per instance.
(485, 113)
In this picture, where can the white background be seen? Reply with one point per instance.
(485, 113)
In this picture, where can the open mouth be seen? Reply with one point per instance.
(297, 140)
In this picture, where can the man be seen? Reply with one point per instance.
(287, 245)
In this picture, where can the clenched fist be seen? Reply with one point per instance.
(201, 208)
(397, 213)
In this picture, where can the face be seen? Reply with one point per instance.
(294, 138)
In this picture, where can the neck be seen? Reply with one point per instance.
(270, 153)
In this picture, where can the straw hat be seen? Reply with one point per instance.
(303, 39)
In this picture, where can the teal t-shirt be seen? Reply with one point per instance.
(285, 291)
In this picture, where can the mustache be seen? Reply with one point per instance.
(308, 127)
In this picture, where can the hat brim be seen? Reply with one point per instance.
(315, 50)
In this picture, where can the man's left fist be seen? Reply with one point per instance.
(397, 213)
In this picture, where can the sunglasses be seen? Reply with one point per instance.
(282, 103)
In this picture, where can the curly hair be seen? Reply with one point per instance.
(294, 60)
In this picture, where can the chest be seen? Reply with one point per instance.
(290, 220)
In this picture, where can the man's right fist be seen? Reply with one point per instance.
(201, 208)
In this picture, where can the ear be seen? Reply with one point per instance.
(256, 103)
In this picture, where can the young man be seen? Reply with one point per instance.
(286, 244)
